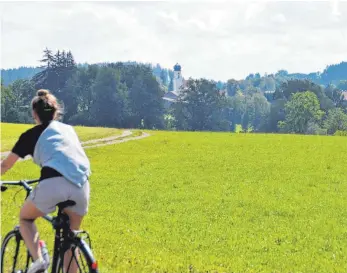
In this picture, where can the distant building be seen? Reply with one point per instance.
(178, 84)
(344, 94)
(269, 94)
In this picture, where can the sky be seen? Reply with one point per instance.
(217, 40)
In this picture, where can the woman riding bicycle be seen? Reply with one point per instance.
(65, 171)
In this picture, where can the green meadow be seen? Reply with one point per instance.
(10, 133)
(210, 202)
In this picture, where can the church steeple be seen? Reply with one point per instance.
(177, 67)
(178, 80)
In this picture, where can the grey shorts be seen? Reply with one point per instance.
(49, 192)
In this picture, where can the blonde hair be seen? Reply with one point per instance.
(45, 106)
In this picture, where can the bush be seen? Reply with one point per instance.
(238, 128)
(81, 118)
(340, 133)
(314, 129)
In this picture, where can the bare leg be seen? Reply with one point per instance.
(28, 229)
(75, 223)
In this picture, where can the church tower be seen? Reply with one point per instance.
(178, 80)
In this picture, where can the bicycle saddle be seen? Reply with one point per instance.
(65, 204)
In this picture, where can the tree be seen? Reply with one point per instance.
(170, 88)
(276, 114)
(24, 91)
(232, 87)
(293, 86)
(164, 77)
(342, 85)
(267, 84)
(251, 111)
(48, 59)
(336, 120)
(109, 107)
(6, 103)
(250, 91)
(201, 107)
(334, 94)
(57, 74)
(146, 103)
(282, 73)
(261, 111)
(70, 62)
(237, 108)
(81, 88)
(334, 73)
(15, 101)
(301, 109)
(57, 69)
(146, 106)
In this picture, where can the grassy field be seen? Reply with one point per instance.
(213, 202)
(10, 133)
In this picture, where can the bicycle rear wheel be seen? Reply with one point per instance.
(77, 259)
(15, 256)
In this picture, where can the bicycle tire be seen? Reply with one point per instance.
(84, 251)
(13, 234)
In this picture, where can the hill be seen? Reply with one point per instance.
(332, 74)
(8, 76)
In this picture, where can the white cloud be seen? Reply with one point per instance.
(335, 8)
(255, 8)
(214, 40)
(279, 18)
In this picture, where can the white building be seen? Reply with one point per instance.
(178, 79)
(178, 83)
(344, 94)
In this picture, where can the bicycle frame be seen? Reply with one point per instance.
(60, 223)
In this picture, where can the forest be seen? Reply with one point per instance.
(130, 95)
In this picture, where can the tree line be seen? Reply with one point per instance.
(130, 95)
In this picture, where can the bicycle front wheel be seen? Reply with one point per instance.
(15, 256)
(78, 258)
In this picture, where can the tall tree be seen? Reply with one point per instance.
(146, 103)
(334, 94)
(232, 87)
(48, 59)
(342, 85)
(201, 106)
(336, 120)
(15, 101)
(164, 77)
(301, 109)
(70, 60)
(251, 111)
(237, 109)
(109, 106)
(293, 86)
(277, 113)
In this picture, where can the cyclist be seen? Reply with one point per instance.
(65, 171)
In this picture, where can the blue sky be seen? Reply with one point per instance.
(217, 40)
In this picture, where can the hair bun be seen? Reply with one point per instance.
(42, 92)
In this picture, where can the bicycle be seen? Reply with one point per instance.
(65, 240)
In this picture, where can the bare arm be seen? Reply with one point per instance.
(8, 162)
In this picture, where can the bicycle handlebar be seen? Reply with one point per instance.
(19, 182)
(24, 183)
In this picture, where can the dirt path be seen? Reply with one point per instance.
(107, 139)
(124, 137)
(116, 141)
